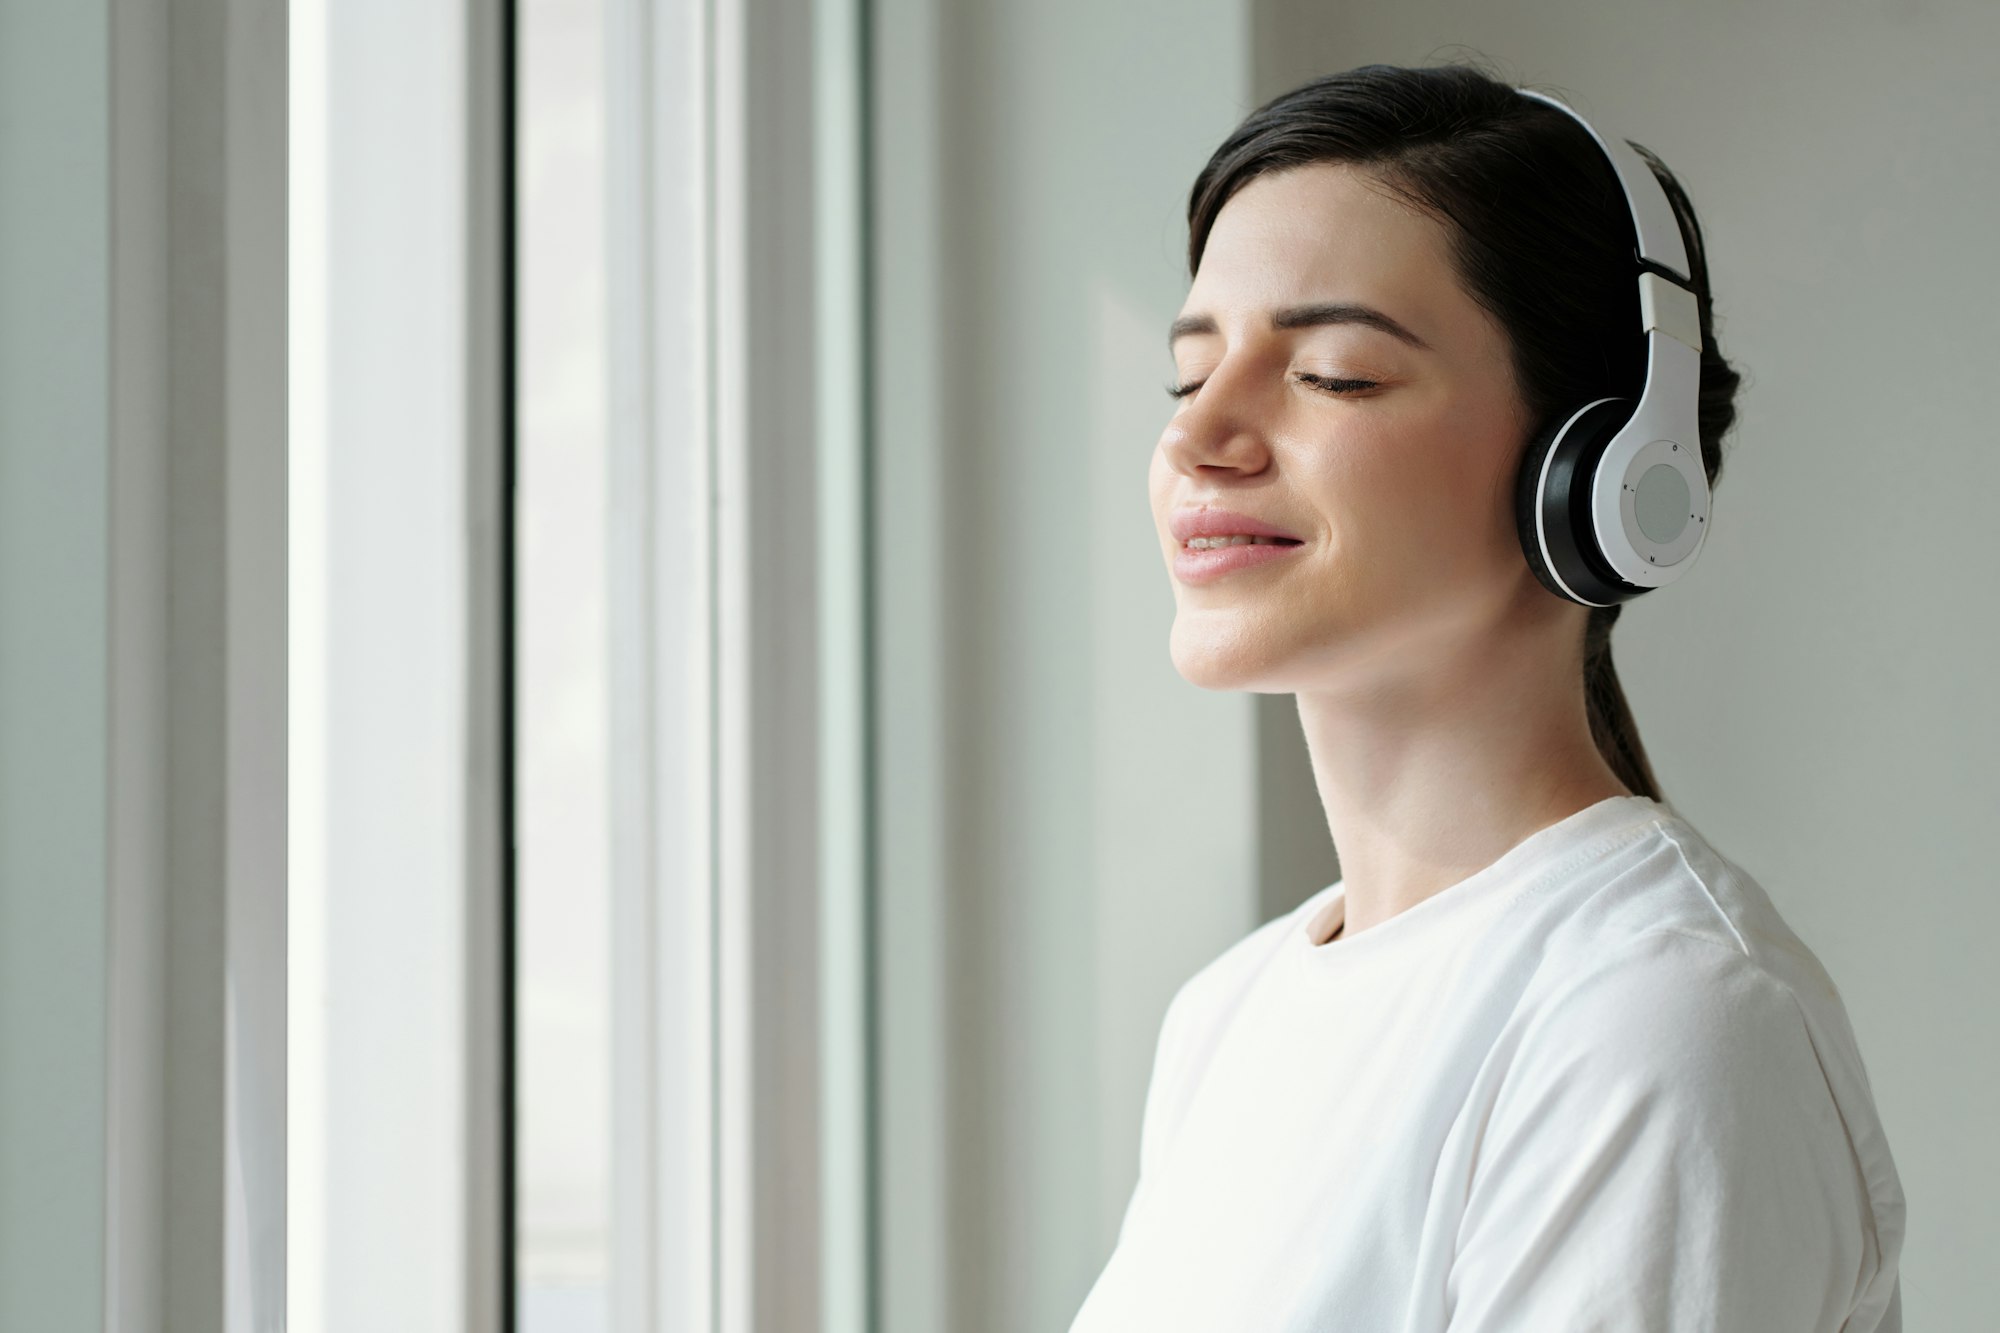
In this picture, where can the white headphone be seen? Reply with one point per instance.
(1614, 501)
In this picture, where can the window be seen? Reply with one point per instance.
(562, 952)
(577, 916)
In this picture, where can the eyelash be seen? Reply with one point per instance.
(1326, 382)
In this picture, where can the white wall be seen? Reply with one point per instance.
(55, 464)
(142, 689)
(1048, 875)
(1817, 696)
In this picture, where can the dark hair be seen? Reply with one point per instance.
(1543, 239)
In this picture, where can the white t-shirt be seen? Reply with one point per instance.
(1598, 1085)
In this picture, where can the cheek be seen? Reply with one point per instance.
(1428, 486)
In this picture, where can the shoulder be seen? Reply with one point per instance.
(1667, 910)
(1213, 992)
(1198, 1012)
(1674, 965)
(1664, 1144)
(1683, 1015)
(1673, 1000)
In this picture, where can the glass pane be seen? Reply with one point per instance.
(563, 977)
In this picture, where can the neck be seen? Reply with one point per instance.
(1428, 777)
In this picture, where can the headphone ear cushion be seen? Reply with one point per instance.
(1527, 491)
(1552, 504)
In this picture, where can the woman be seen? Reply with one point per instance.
(1542, 1059)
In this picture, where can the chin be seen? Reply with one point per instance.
(1221, 661)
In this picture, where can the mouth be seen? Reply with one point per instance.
(1222, 543)
(1200, 564)
(1223, 525)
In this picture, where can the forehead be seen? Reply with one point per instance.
(1330, 231)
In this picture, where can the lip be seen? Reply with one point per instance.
(1197, 567)
(1187, 524)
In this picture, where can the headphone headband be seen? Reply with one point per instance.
(1666, 293)
(1652, 212)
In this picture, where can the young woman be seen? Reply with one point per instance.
(1542, 1059)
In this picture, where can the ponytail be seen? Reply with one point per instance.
(1611, 723)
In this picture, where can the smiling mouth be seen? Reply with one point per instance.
(1224, 543)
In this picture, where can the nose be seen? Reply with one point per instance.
(1221, 425)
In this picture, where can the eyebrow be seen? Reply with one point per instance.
(1305, 316)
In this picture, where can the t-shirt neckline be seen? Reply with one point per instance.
(1516, 869)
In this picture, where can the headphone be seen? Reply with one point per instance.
(1613, 502)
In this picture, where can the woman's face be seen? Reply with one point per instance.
(1390, 456)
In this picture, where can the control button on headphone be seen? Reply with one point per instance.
(1663, 505)
(1660, 503)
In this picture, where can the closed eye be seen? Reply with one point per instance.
(1332, 385)
(1326, 382)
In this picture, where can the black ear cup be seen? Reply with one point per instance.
(1554, 484)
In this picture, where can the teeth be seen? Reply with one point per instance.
(1212, 543)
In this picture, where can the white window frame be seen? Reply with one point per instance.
(396, 1081)
(739, 1019)
(739, 848)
